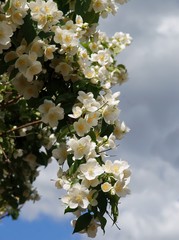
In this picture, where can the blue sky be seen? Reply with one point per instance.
(44, 228)
(149, 104)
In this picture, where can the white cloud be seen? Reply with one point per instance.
(49, 203)
(169, 26)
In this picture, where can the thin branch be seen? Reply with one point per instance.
(113, 220)
(24, 126)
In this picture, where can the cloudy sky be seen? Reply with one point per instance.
(150, 107)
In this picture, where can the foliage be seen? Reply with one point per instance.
(56, 75)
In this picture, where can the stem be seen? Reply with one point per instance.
(113, 220)
(22, 126)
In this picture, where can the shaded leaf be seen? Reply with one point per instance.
(82, 222)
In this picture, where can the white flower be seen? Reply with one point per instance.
(5, 33)
(45, 13)
(90, 104)
(31, 160)
(82, 147)
(107, 166)
(28, 65)
(103, 57)
(120, 189)
(37, 47)
(34, 68)
(48, 52)
(27, 89)
(119, 168)
(60, 153)
(64, 68)
(91, 169)
(81, 127)
(77, 196)
(77, 112)
(120, 129)
(45, 107)
(110, 114)
(53, 116)
(106, 187)
(92, 118)
(92, 229)
(22, 63)
(89, 72)
(99, 5)
(65, 37)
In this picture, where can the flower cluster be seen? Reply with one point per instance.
(56, 102)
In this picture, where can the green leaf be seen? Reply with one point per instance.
(82, 222)
(106, 129)
(68, 209)
(102, 200)
(82, 6)
(103, 222)
(70, 159)
(3, 67)
(114, 207)
(28, 29)
(73, 168)
(8, 5)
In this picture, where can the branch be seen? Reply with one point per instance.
(22, 126)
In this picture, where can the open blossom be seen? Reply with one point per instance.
(99, 5)
(120, 189)
(81, 127)
(27, 89)
(5, 33)
(88, 101)
(91, 169)
(77, 196)
(28, 65)
(110, 114)
(45, 13)
(92, 118)
(92, 228)
(44, 108)
(65, 37)
(106, 187)
(103, 57)
(82, 147)
(120, 129)
(63, 68)
(119, 168)
(51, 114)
(77, 112)
(60, 153)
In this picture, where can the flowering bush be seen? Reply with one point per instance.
(56, 75)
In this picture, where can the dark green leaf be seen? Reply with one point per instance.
(103, 222)
(70, 159)
(3, 67)
(82, 6)
(28, 29)
(75, 166)
(68, 209)
(102, 202)
(106, 129)
(82, 222)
